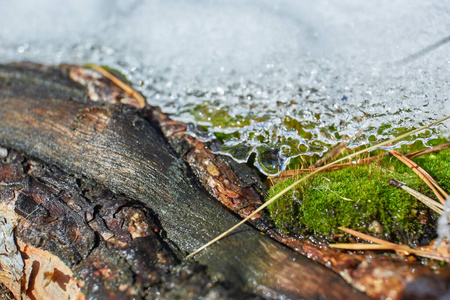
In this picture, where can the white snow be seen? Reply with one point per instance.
(327, 64)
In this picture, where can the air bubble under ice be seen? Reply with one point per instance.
(274, 78)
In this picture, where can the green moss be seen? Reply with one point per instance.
(357, 196)
(218, 117)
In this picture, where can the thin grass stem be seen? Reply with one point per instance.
(271, 200)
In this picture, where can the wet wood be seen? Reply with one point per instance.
(48, 117)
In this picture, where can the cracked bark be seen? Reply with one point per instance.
(76, 235)
(45, 116)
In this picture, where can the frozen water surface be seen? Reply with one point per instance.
(275, 78)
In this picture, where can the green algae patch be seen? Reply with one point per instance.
(218, 117)
(360, 198)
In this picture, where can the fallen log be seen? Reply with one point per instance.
(48, 117)
(240, 189)
(77, 240)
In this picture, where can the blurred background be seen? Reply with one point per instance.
(272, 79)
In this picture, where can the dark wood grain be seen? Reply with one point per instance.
(47, 117)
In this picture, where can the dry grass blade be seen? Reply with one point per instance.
(336, 151)
(428, 252)
(368, 160)
(125, 87)
(271, 200)
(292, 173)
(432, 204)
(423, 175)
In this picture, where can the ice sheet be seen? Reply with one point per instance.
(275, 78)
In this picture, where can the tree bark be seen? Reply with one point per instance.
(48, 117)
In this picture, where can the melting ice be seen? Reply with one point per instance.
(274, 78)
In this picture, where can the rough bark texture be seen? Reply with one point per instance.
(76, 235)
(46, 116)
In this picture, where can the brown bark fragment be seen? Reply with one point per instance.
(46, 276)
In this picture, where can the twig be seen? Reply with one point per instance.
(422, 52)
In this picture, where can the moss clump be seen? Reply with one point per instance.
(357, 196)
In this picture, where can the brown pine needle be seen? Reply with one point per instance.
(432, 204)
(125, 87)
(360, 246)
(428, 151)
(368, 160)
(423, 175)
(291, 173)
(367, 237)
(379, 244)
(271, 200)
(335, 152)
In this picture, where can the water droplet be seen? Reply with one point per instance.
(220, 91)
(23, 48)
(203, 136)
